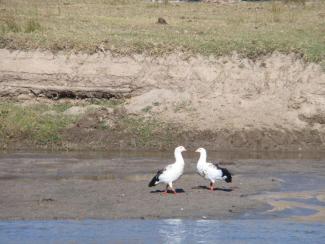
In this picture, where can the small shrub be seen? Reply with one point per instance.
(11, 24)
(183, 106)
(146, 109)
(32, 25)
(143, 129)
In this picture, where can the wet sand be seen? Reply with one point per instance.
(114, 186)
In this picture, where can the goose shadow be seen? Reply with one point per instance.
(215, 189)
(178, 190)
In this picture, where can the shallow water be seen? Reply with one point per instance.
(161, 231)
(311, 200)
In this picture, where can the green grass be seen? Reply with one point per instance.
(143, 129)
(149, 132)
(32, 25)
(45, 126)
(39, 124)
(129, 26)
(30, 124)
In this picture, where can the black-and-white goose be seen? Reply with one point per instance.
(210, 171)
(172, 172)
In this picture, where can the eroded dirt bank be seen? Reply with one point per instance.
(274, 102)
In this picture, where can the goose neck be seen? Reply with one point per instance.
(203, 157)
(179, 157)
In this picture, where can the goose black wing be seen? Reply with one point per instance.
(155, 180)
(226, 175)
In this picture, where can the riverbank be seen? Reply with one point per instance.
(100, 101)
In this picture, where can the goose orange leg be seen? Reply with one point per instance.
(166, 190)
(211, 186)
(171, 187)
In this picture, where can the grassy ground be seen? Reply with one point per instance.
(128, 26)
(47, 126)
(32, 125)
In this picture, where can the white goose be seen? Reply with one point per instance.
(171, 172)
(211, 171)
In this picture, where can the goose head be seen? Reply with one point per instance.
(200, 150)
(180, 149)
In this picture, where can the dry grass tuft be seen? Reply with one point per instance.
(32, 25)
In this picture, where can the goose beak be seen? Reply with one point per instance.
(197, 150)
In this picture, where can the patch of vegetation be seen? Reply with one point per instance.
(149, 132)
(32, 25)
(147, 109)
(184, 105)
(47, 126)
(10, 24)
(31, 124)
(112, 103)
(128, 26)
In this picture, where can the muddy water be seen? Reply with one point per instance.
(39, 190)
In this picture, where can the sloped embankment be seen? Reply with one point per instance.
(274, 102)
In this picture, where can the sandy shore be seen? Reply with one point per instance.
(41, 186)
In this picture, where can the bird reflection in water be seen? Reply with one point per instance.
(173, 231)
